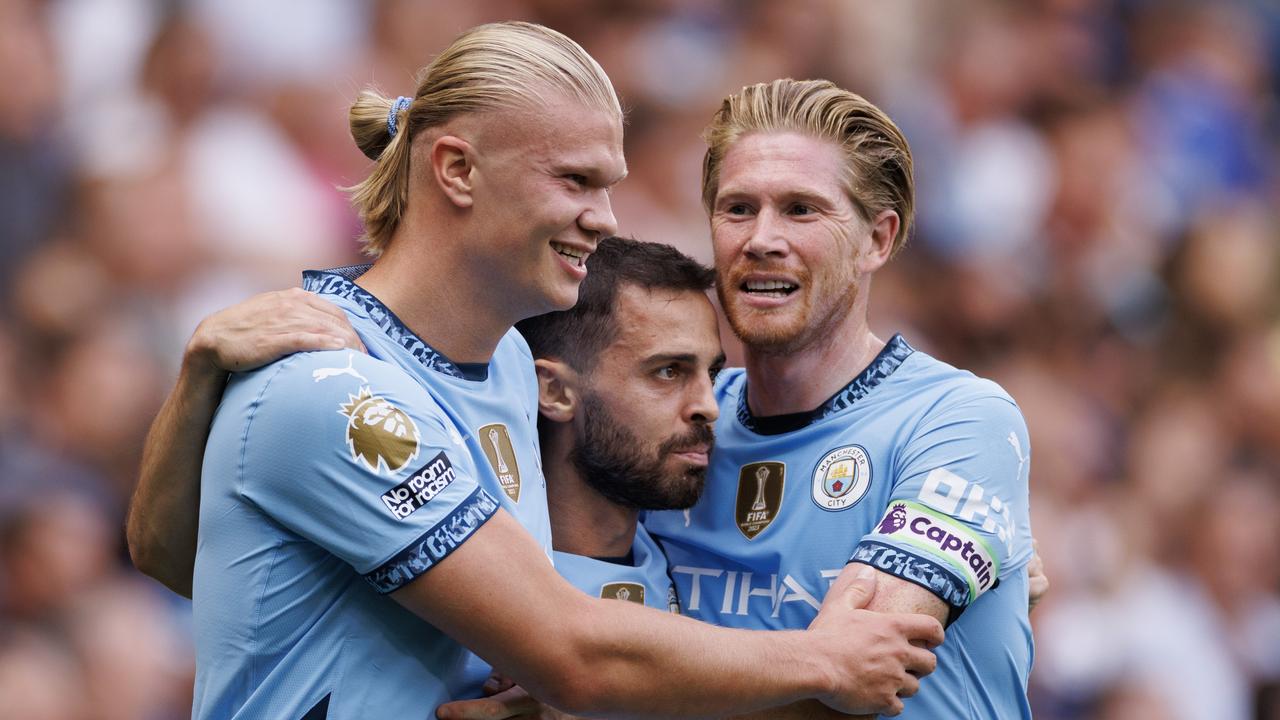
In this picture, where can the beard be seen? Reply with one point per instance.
(788, 330)
(616, 464)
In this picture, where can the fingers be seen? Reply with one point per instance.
(269, 325)
(1037, 580)
(856, 588)
(910, 686)
(920, 629)
(497, 683)
(339, 323)
(920, 662)
(510, 703)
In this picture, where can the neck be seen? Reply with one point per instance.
(801, 381)
(424, 277)
(583, 522)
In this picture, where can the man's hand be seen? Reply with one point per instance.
(165, 510)
(512, 702)
(267, 327)
(1038, 582)
(878, 658)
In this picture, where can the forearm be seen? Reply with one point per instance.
(164, 513)
(497, 595)
(659, 664)
(803, 710)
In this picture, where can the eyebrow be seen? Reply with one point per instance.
(686, 358)
(801, 195)
(590, 171)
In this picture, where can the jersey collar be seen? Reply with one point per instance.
(890, 358)
(340, 282)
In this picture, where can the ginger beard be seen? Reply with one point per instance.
(630, 472)
(818, 306)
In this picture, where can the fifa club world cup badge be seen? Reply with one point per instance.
(841, 478)
(759, 496)
(496, 442)
(631, 592)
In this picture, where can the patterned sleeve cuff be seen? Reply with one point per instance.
(434, 545)
(929, 574)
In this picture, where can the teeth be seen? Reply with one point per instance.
(769, 286)
(578, 256)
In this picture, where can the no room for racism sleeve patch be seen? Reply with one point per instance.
(430, 480)
(937, 545)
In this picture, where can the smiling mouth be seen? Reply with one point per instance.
(769, 288)
(573, 255)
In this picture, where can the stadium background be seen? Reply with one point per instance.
(1097, 232)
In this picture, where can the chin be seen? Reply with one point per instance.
(561, 298)
(767, 334)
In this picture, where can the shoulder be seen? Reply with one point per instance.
(947, 389)
(309, 378)
(729, 382)
(315, 395)
(514, 344)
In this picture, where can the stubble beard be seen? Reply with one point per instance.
(762, 336)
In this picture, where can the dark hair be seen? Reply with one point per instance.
(577, 335)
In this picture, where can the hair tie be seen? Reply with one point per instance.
(401, 103)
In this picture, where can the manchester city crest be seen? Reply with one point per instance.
(496, 443)
(759, 496)
(841, 478)
(631, 592)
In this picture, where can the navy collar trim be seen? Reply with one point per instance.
(340, 282)
(890, 359)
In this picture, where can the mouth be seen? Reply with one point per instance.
(577, 257)
(768, 288)
(694, 455)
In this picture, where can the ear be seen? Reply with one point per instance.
(557, 390)
(452, 164)
(884, 228)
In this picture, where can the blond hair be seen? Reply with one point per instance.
(877, 158)
(489, 67)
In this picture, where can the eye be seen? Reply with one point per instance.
(715, 372)
(667, 372)
(576, 178)
(740, 209)
(800, 209)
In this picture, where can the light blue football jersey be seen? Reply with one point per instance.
(333, 478)
(644, 581)
(916, 468)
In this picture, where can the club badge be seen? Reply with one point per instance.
(496, 443)
(379, 434)
(841, 478)
(759, 496)
(631, 592)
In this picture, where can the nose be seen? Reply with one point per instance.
(766, 238)
(701, 406)
(597, 218)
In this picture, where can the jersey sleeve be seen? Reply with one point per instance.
(957, 519)
(354, 455)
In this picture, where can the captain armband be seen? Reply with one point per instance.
(932, 550)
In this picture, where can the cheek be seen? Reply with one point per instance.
(725, 240)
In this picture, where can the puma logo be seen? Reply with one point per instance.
(326, 373)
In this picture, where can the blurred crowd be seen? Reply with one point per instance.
(1098, 231)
